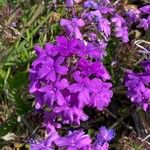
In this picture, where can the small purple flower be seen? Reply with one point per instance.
(88, 50)
(103, 138)
(105, 2)
(105, 135)
(71, 114)
(74, 140)
(101, 95)
(50, 67)
(47, 144)
(50, 122)
(121, 29)
(145, 9)
(72, 27)
(52, 93)
(144, 24)
(69, 3)
(82, 86)
(91, 4)
(95, 68)
(97, 146)
(65, 47)
(104, 26)
(138, 88)
(94, 16)
(145, 65)
(133, 15)
(106, 10)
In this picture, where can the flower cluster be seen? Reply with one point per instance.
(66, 77)
(76, 140)
(107, 19)
(69, 74)
(138, 86)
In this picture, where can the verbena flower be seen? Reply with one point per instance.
(72, 27)
(91, 4)
(138, 87)
(97, 146)
(104, 26)
(103, 137)
(121, 29)
(69, 3)
(145, 9)
(74, 140)
(144, 23)
(66, 77)
(46, 144)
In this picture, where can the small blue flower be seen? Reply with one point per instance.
(105, 135)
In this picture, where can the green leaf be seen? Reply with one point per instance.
(18, 81)
(8, 126)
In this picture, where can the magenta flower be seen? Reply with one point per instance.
(95, 68)
(65, 47)
(144, 24)
(69, 3)
(101, 95)
(50, 67)
(121, 29)
(106, 10)
(91, 4)
(74, 141)
(47, 144)
(104, 26)
(72, 27)
(71, 114)
(138, 87)
(83, 87)
(52, 93)
(97, 146)
(145, 9)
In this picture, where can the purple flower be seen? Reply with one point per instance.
(94, 16)
(69, 3)
(101, 95)
(105, 9)
(83, 87)
(88, 50)
(71, 114)
(72, 27)
(121, 29)
(105, 135)
(50, 67)
(95, 68)
(144, 24)
(138, 88)
(52, 93)
(65, 47)
(145, 65)
(145, 9)
(50, 122)
(104, 26)
(91, 4)
(105, 2)
(47, 144)
(74, 140)
(97, 146)
(133, 15)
